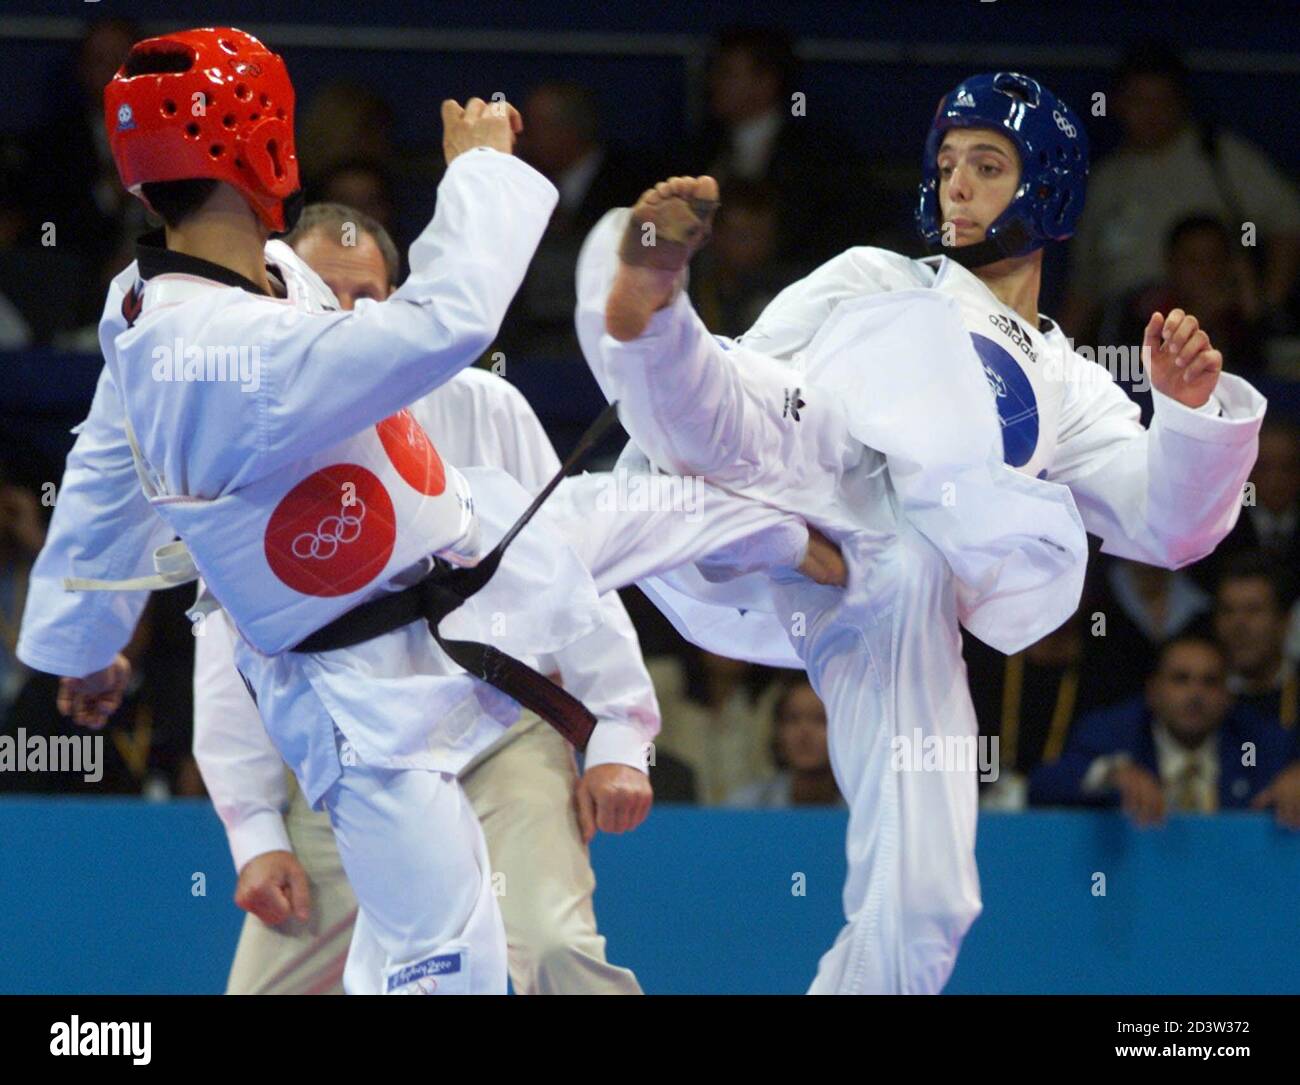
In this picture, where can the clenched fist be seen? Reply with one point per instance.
(273, 886)
(479, 124)
(90, 700)
(613, 799)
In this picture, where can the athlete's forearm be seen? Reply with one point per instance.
(102, 528)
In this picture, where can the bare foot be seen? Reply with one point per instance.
(668, 225)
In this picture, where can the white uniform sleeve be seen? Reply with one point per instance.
(324, 376)
(604, 670)
(621, 544)
(103, 528)
(696, 406)
(243, 771)
(1165, 495)
(793, 318)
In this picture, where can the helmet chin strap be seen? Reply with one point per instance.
(1009, 242)
(293, 204)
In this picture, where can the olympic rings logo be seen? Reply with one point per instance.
(331, 533)
(1063, 124)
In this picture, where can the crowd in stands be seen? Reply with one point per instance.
(1169, 691)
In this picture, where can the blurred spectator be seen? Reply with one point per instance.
(1250, 621)
(1170, 164)
(146, 742)
(800, 752)
(1030, 702)
(759, 131)
(1270, 515)
(74, 176)
(716, 714)
(85, 339)
(1208, 275)
(1180, 747)
(736, 274)
(359, 183)
(15, 331)
(1142, 607)
(561, 139)
(673, 779)
(22, 534)
(344, 123)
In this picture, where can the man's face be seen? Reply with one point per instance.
(738, 89)
(1150, 110)
(1189, 693)
(1277, 470)
(353, 272)
(549, 140)
(1249, 624)
(979, 171)
(801, 732)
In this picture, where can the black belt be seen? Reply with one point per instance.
(443, 590)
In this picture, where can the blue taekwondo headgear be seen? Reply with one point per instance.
(1053, 165)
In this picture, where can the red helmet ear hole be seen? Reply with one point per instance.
(192, 130)
(228, 120)
(242, 92)
(216, 150)
(265, 100)
(169, 108)
(254, 116)
(273, 150)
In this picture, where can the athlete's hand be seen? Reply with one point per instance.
(479, 124)
(1283, 794)
(1140, 794)
(613, 799)
(823, 561)
(92, 699)
(1181, 361)
(273, 887)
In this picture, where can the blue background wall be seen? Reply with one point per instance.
(95, 897)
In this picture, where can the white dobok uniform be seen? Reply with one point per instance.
(479, 419)
(900, 408)
(300, 487)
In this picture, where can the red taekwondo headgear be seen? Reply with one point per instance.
(217, 104)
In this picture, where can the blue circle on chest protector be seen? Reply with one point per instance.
(1017, 404)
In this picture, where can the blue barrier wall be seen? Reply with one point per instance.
(96, 896)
